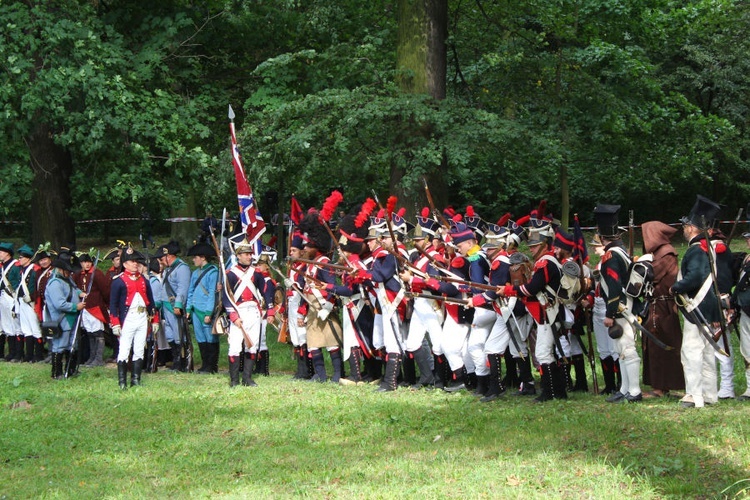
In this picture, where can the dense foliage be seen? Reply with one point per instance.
(642, 102)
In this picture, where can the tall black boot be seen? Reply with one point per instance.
(374, 367)
(482, 385)
(18, 358)
(410, 370)
(135, 377)
(457, 381)
(558, 381)
(442, 371)
(204, 358)
(29, 353)
(11, 348)
(528, 386)
(264, 363)
(511, 378)
(57, 365)
(309, 362)
(608, 371)
(247, 370)
(426, 377)
(470, 380)
(176, 357)
(84, 347)
(72, 364)
(338, 364)
(122, 374)
(547, 388)
(258, 362)
(97, 358)
(495, 387)
(566, 376)
(301, 364)
(390, 379)
(234, 370)
(38, 350)
(355, 369)
(579, 364)
(319, 365)
(213, 348)
(2, 347)
(92, 349)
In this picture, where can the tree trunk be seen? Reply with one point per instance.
(51, 200)
(186, 233)
(421, 61)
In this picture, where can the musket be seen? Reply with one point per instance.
(587, 318)
(592, 362)
(630, 318)
(631, 234)
(225, 289)
(712, 264)
(443, 298)
(187, 343)
(223, 229)
(431, 202)
(471, 284)
(696, 317)
(74, 340)
(327, 265)
(734, 227)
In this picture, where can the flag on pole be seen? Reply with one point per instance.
(296, 212)
(253, 224)
(580, 249)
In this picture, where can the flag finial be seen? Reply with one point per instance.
(231, 112)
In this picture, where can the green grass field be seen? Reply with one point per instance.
(190, 435)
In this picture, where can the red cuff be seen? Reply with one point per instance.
(478, 300)
(510, 291)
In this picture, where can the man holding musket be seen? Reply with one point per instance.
(243, 302)
(62, 305)
(614, 277)
(176, 280)
(697, 301)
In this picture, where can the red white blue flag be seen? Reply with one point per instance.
(253, 224)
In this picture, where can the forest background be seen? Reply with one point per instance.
(111, 107)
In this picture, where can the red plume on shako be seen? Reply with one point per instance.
(329, 207)
(364, 213)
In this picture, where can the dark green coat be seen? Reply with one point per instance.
(694, 269)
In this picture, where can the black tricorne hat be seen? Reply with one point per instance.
(171, 248)
(702, 214)
(130, 253)
(607, 220)
(202, 249)
(67, 262)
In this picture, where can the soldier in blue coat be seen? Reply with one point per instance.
(201, 302)
(176, 281)
(62, 306)
(694, 287)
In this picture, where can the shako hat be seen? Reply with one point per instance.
(461, 232)
(426, 226)
(702, 214)
(314, 233)
(351, 238)
(564, 241)
(607, 220)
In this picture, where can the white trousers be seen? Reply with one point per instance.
(250, 315)
(699, 365)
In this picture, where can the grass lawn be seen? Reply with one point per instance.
(190, 435)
